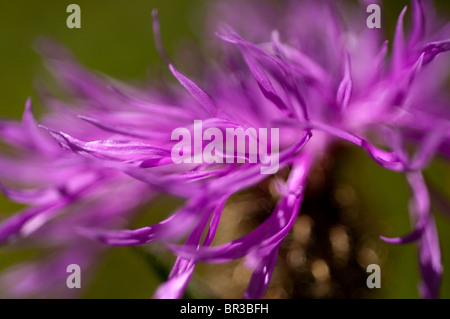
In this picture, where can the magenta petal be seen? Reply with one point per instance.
(172, 228)
(422, 205)
(198, 94)
(126, 151)
(418, 22)
(345, 87)
(175, 286)
(430, 262)
(31, 196)
(432, 49)
(261, 276)
(399, 43)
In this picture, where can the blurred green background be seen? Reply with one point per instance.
(116, 39)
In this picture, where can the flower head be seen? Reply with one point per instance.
(314, 75)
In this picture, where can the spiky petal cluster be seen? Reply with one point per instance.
(316, 78)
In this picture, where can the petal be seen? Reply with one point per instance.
(38, 140)
(261, 276)
(172, 228)
(196, 92)
(270, 232)
(430, 262)
(157, 36)
(110, 149)
(418, 22)
(184, 268)
(432, 49)
(31, 196)
(344, 91)
(421, 202)
(399, 43)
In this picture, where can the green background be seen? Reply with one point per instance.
(116, 39)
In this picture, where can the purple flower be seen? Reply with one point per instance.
(315, 77)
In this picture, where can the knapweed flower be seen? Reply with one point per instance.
(313, 73)
(52, 183)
